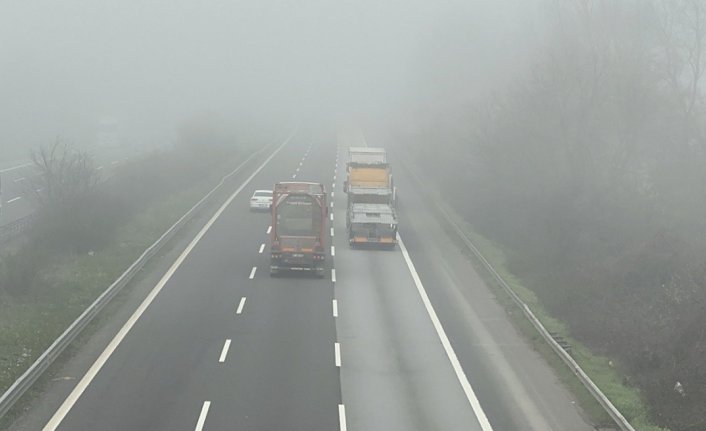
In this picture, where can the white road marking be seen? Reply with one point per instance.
(252, 273)
(39, 190)
(14, 199)
(99, 168)
(331, 204)
(335, 308)
(269, 229)
(460, 374)
(17, 180)
(2, 171)
(333, 275)
(331, 216)
(300, 163)
(333, 251)
(202, 416)
(224, 352)
(240, 306)
(342, 417)
(332, 194)
(337, 354)
(114, 162)
(334, 178)
(296, 170)
(262, 248)
(331, 231)
(86, 380)
(333, 185)
(294, 176)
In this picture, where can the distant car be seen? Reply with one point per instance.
(261, 200)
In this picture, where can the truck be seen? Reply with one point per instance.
(369, 177)
(299, 214)
(371, 224)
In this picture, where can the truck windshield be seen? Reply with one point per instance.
(298, 216)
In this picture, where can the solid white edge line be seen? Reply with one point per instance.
(12, 168)
(262, 248)
(342, 417)
(86, 380)
(252, 272)
(460, 374)
(335, 308)
(333, 275)
(337, 354)
(224, 351)
(333, 251)
(269, 229)
(202, 416)
(240, 305)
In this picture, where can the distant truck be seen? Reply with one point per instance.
(299, 214)
(369, 177)
(371, 224)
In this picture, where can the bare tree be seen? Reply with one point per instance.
(65, 175)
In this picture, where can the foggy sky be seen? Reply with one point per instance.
(65, 65)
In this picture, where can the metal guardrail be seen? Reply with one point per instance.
(27, 379)
(14, 228)
(592, 388)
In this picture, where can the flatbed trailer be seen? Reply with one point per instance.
(372, 225)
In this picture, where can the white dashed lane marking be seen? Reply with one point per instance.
(335, 308)
(204, 413)
(252, 273)
(224, 351)
(240, 305)
(342, 417)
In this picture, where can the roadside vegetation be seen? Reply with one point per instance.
(90, 228)
(589, 175)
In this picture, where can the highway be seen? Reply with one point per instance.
(17, 177)
(409, 339)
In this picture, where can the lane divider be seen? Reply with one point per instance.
(202, 416)
(252, 273)
(335, 308)
(241, 305)
(224, 351)
(337, 354)
(342, 417)
(262, 248)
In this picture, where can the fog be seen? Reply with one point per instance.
(69, 68)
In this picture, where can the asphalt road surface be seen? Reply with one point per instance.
(405, 339)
